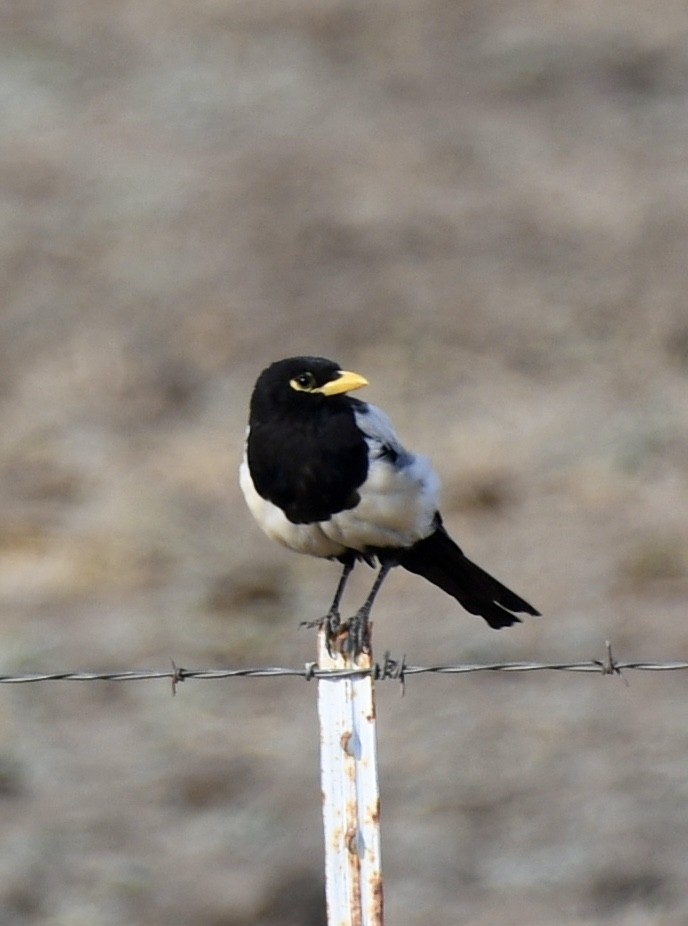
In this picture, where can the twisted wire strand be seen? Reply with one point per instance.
(389, 669)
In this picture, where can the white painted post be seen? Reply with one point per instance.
(351, 799)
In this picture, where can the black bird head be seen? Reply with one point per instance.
(299, 383)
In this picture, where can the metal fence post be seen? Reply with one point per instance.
(351, 799)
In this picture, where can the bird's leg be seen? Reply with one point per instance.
(357, 626)
(331, 620)
(332, 617)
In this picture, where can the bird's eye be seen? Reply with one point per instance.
(304, 382)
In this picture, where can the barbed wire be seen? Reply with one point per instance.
(389, 669)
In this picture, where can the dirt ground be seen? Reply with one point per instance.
(483, 208)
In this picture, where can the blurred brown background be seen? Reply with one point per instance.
(483, 207)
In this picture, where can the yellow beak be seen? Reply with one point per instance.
(345, 382)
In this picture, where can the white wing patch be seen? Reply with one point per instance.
(399, 498)
(377, 426)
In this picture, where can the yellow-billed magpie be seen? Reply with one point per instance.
(325, 474)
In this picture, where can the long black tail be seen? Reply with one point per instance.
(439, 560)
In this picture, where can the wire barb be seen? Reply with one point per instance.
(609, 665)
(394, 669)
(178, 675)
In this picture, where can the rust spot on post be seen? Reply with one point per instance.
(352, 841)
(377, 898)
(375, 812)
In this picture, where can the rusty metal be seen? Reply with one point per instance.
(351, 800)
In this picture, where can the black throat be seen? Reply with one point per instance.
(308, 460)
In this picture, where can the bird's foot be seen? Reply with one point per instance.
(331, 623)
(354, 634)
(351, 637)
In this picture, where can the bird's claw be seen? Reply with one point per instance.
(355, 635)
(350, 637)
(331, 623)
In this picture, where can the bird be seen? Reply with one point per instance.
(324, 474)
